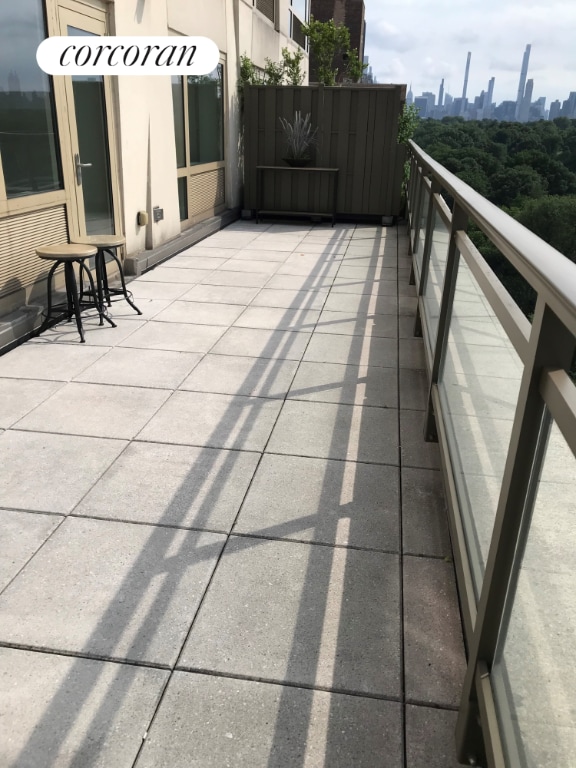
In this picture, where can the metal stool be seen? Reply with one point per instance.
(107, 244)
(68, 255)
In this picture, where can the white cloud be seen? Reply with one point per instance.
(421, 41)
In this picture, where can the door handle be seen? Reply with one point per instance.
(79, 167)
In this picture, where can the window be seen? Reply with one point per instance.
(266, 7)
(198, 106)
(28, 141)
(299, 15)
(206, 117)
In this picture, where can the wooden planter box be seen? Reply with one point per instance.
(357, 133)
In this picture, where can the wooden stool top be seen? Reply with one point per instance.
(102, 241)
(66, 252)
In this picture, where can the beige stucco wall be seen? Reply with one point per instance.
(146, 131)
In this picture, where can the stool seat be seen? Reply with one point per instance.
(102, 241)
(66, 252)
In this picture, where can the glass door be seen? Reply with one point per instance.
(89, 106)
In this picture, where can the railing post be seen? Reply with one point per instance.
(417, 207)
(459, 222)
(551, 345)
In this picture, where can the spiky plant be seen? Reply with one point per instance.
(300, 136)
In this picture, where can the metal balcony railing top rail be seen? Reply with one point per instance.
(503, 408)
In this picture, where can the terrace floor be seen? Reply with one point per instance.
(224, 541)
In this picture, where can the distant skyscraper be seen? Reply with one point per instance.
(522, 83)
(555, 108)
(490, 95)
(421, 104)
(524, 112)
(466, 73)
(441, 94)
(410, 96)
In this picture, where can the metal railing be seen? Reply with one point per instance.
(502, 406)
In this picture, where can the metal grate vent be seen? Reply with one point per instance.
(205, 192)
(19, 237)
(266, 7)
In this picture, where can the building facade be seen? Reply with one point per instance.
(86, 155)
(349, 13)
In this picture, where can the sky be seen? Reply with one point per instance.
(423, 41)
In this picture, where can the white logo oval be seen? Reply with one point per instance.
(95, 55)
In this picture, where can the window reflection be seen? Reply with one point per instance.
(28, 142)
(206, 117)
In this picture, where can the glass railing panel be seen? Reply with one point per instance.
(534, 676)
(435, 281)
(478, 387)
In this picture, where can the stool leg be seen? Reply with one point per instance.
(72, 288)
(125, 291)
(48, 317)
(102, 313)
(101, 277)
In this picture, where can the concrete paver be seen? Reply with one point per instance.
(245, 557)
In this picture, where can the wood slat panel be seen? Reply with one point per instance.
(205, 192)
(19, 237)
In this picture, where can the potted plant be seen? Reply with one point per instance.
(300, 137)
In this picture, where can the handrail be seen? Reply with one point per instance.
(547, 270)
(541, 353)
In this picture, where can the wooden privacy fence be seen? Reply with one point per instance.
(357, 133)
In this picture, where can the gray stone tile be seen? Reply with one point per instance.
(424, 516)
(175, 337)
(413, 388)
(52, 362)
(260, 342)
(416, 452)
(329, 248)
(210, 722)
(352, 350)
(351, 324)
(203, 251)
(275, 243)
(406, 326)
(143, 289)
(133, 590)
(331, 502)
(51, 473)
(405, 289)
(230, 375)
(200, 312)
(369, 274)
(218, 421)
(250, 265)
(153, 368)
(189, 260)
(21, 533)
(169, 274)
(274, 297)
(173, 485)
(412, 354)
(282, 319)
(407, 305)
(97, 410)
(367, 286)
(355, 385)
(245, 279)
(121, 310)
(300, 282)
(19, 396)
(260, 255)
(94, 334)
(298, 613)
(66, 712)
(315, 266)
(434, 663)
(221, 294)
(380, 303)
(430, 738)
(330, 431)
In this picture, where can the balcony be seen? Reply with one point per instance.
(228, 539)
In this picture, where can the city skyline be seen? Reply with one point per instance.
(423, 41)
